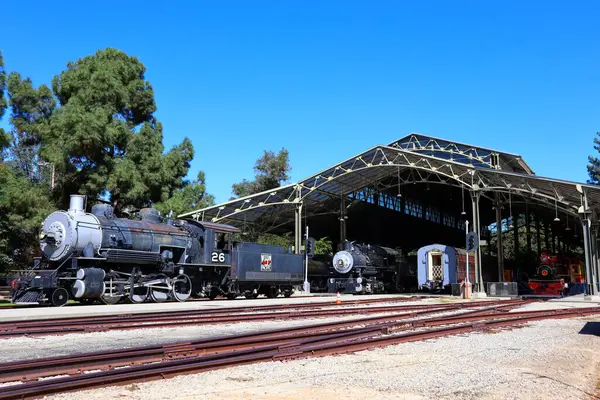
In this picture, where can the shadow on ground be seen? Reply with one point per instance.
(591, 328)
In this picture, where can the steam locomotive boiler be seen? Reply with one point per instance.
(364, 268)
(97, 256)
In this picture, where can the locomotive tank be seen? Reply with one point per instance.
(100, 234)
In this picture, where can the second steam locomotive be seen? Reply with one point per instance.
(363, 269)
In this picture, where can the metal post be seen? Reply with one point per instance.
(588, 257)
(594, 251)
(499, 239)
(477, 229)
(537, 232)
(306, 284)
(546, 235)
(528, 227)
(596, 265)
(342, 222)
(467, 250)
(516, 239)
(297, 229)
(590, 274)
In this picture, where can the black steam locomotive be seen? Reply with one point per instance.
(96, 256)
(365, 269)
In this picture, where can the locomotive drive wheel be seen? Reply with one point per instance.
(140, 294)
(60, 296)
(182, 288)
(160, 291)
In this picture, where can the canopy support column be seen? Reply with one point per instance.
(298, 228)
(343, 219)
(537, 232)
(477, 229)
(528, 227)
(547, 236)
(499, 239)
(590, 273)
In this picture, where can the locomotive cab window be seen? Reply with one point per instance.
(222, 241)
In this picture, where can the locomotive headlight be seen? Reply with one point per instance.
(343, 262)
(42, 234)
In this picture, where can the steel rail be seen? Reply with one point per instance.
(47, 327)
(57, 365)
(315, 304)
(333, 343)
(208, 311)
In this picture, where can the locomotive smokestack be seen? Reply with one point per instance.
(76, 204)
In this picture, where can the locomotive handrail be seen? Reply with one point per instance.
(131, 229)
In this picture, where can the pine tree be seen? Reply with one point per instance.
(594, 166)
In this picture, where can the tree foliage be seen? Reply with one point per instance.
(191, 196)
(324, 246)
(31, 112)
(105, 138)
(286, 240)
(4, 137)
(594, 163)
(97, 130)
(271, 170)
(23, 206)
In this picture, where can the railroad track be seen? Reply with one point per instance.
(57, 326)
(158, 362)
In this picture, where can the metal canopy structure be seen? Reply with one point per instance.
(385, 169)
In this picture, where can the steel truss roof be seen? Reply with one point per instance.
(383, 167)
(463, 153)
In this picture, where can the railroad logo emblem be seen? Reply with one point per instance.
(265, 262)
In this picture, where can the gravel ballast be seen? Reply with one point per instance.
(543, 360)
(547, 359)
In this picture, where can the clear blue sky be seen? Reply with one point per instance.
(328, 79)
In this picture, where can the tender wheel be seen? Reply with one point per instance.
(182, 288)
(287, 293)
(160, 290)
(251, 295)
(231, 296)
(140, 293)
(272, 293)
(213, 294)
(87, 302)
(60, 296)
